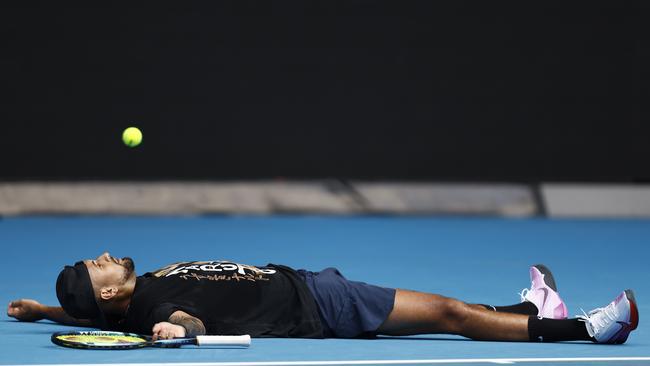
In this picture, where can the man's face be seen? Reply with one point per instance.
(109, 271)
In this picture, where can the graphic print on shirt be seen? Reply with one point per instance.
(215, 271)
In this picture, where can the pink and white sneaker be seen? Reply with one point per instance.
(613, 323)
(543, 294)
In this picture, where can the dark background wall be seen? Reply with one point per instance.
(422, 90)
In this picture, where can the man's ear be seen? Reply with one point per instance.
(107, 293)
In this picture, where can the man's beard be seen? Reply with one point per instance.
(128, 264)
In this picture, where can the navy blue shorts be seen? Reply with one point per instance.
(348, 309)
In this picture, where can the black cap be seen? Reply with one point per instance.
(76, 295)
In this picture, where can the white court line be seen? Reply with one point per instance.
(501, 361)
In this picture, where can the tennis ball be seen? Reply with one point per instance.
(132, 137)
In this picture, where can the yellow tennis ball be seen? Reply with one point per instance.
(132, 137)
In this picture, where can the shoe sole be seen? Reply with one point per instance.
(634, 319)
(548, 276)
(634, 312)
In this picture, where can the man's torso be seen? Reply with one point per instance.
(228, 297)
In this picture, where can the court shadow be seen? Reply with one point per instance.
(39, 327)
(432, 338)
(48, 332)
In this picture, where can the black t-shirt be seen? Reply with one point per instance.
(229, 298)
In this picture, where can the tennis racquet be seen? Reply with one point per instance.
(121, 340)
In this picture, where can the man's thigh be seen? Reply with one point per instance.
(419, 313)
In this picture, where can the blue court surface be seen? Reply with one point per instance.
(480, 260)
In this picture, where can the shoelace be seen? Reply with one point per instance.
(599, 318)
(524, 293)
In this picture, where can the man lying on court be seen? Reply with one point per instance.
(222, 297)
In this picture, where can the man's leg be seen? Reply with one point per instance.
(421, 313)
(416, 313)
(541, 299)
(524, 307)
(541, 316)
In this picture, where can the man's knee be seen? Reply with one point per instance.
(454, 315)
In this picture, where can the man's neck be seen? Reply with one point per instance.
(119, 307)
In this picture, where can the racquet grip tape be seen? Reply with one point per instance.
(224, 340)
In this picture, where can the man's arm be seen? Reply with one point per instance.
(180, 324)
(193, 326)
(27, 310)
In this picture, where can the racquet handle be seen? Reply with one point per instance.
(223, 340)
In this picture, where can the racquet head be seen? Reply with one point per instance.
(100, 340)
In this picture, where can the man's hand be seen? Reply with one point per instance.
(165, 330)
(26, 310)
